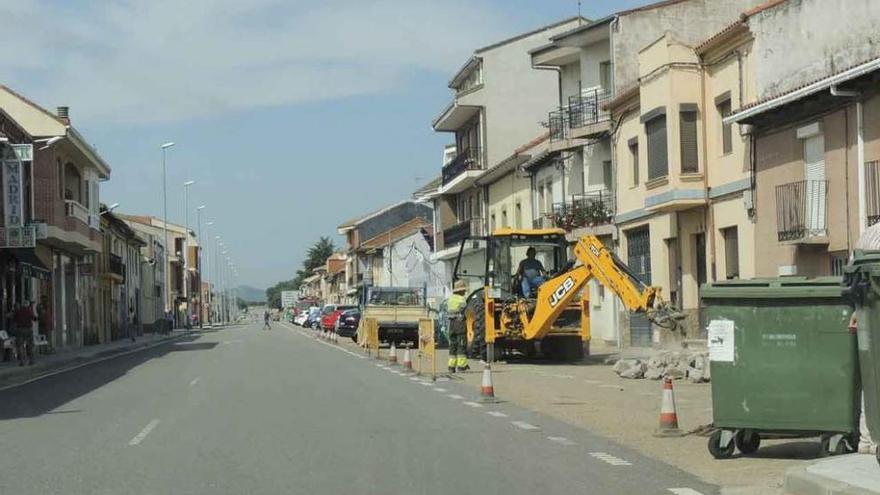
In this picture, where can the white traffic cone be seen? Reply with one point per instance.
(668, 415)
(407, 360)
(392, 354)
(487, 390)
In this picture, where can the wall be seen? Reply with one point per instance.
(407, 263)
(829, 35)
(692, 22)
(505, 193)
(590, 58)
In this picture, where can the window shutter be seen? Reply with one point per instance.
(726, 129)
(634, 152)
(688, 136)
(658, 159)
(731, 252)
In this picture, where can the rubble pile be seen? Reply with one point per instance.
(678, 365)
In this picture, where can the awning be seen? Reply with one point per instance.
(29, 263)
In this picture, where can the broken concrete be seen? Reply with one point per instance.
(678, 365)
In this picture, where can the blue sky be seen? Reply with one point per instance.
(292, 116)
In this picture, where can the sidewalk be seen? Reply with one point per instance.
(11, 373)
(856, 474)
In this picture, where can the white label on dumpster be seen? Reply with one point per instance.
(721, 340)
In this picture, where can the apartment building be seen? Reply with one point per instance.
(498, 103)
(51, 230)
(118, 266)
(815, 129)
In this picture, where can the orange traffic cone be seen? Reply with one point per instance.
(487, 390)
(407, 360)
(392, 354)
(668, 415)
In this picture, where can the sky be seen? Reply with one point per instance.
(292, 116)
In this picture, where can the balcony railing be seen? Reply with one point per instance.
(475, 227)
(583, 210)
(469, 159)
(116, 266)
(76, 210)
(802, 210)
(872, 191)
(581, 111)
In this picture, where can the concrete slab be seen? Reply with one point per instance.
(854, 474)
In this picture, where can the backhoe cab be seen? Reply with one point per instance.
(553, 309)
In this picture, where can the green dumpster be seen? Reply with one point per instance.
(862, 280)
(782, 361)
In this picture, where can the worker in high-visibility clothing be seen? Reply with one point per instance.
(455, 306)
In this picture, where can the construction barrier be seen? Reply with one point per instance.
(427, 346)
(368, 335)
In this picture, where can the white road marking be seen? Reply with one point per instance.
(442, 379)
(472, 404)
(415, 379)
(593, 381)
(610, 386)
(439, 389)
(610, 459)
(522, 425)
(143, 434)
(497, 414)
(455, 396)
(427, 384)
(380, 365)
(194, 381)
(562, 376)
(684, 491)
(561, 440)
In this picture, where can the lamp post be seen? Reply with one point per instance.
(208, 271)
(164, 147)
(186, 277)
(199, 264)
(218, 282)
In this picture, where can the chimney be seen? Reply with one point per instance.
(63, 113)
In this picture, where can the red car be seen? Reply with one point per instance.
(331, 313)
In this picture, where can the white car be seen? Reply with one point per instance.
(300, 319)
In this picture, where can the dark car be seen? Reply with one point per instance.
(347, 323)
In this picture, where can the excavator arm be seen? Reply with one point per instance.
(595, 262)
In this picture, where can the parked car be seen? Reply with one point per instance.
(301, 318)
(329, 316)
(347, 323)
(314, 318)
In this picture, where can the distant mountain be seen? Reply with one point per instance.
(251, 294)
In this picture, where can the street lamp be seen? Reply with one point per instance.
(186, 276)
(164, 147)
(109, 209)
(208, 271)
(199, 263)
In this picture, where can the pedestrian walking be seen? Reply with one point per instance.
(24, 332)
(455, 306)
(266, 317)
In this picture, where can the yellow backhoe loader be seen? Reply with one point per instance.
(557, 312)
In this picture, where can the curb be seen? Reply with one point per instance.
(43, 370)
(798, 481)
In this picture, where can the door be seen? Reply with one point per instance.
(638, 257)
(814, 173)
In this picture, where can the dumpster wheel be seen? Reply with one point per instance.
(747, 441)
(717, 450)
(825, 446)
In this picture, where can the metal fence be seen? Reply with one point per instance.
(582, 110)
(473, 227)
(802, 210)
(872, 191)
(468, 159)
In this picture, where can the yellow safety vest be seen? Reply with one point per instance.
(455, 303)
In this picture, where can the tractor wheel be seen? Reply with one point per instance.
(475, 318)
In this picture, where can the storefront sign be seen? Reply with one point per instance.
(12, 191)
(18, 237)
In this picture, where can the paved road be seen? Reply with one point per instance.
(241, 410)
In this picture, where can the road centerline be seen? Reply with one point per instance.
(143, 434)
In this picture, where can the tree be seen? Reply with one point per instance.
(316, 256)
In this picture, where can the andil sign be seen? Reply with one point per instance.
(13, 197)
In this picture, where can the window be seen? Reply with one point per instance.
(690, 161)
(726, 129)
(504, 218)
(838, 261)
(731, 252)
(606, 175)
(517, 219)
(658, 159)
(72, 183)
(700, 249)
(634, 160)
(605, 75)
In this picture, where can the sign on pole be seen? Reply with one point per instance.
(288, 298)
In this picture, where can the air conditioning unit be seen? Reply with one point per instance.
(787, 270)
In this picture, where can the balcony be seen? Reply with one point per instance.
(465, 162)
(583, 117)
(585, 210)
(475, 227)
(802, 212)
(116, 266)
(76, 210)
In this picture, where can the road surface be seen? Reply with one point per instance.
(241, 410)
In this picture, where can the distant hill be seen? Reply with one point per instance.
(251, 294)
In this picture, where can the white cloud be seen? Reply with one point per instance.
(166, 60)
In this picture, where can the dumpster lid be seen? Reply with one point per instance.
(781, 287)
